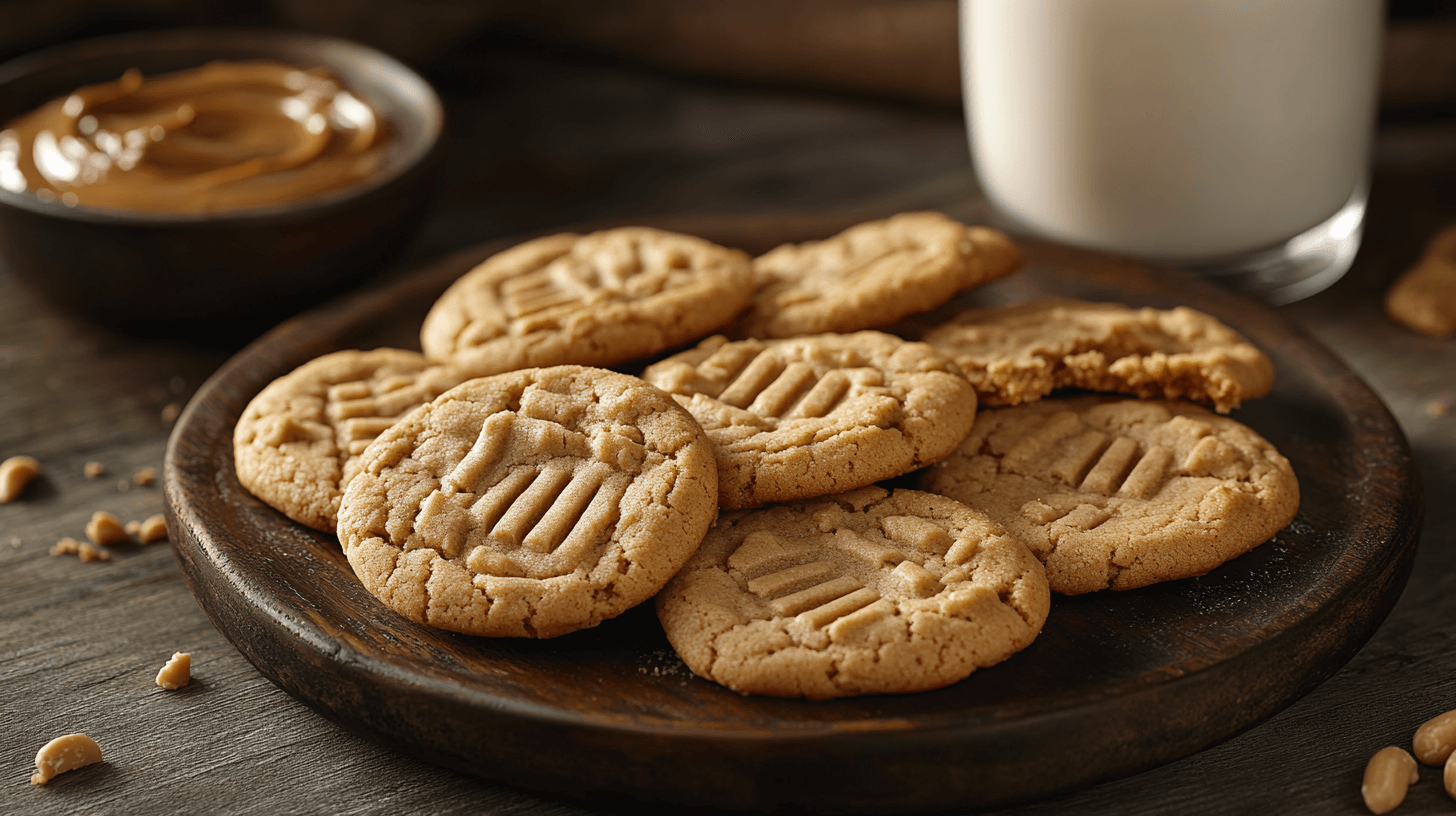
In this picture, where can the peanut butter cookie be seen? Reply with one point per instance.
(595, 299)
(297, 444)
(1121, 493)
(872, 274)
(810, 416)
(1021, 353)
(1423, 298)
(860, 593)
(530, 504)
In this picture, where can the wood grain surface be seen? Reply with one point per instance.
(539, 141)
(1117, 682)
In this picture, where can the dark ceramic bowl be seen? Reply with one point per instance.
(219, 271)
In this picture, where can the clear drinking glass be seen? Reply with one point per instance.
(1228, 136)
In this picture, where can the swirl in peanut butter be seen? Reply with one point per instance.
(225, 136)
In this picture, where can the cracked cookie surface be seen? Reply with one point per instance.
(1121, 493)
(1021, 353)
(872, 274)
(530, 504)
(297, 444)
(596, 299)
(859, 593)
(810, 416)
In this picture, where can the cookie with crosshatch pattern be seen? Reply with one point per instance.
(596, 299)
(1121, 493)
(530, 504)
(297, 443)
(809, 416)
(872, 274)
(863, 592)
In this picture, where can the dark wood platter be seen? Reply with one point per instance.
(1116, 683)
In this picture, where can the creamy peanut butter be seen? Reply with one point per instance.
(225, 136)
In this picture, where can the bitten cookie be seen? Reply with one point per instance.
(872, 274)
(297, 444)
(595, 299)
(859, 593)
(530, 504)
(1423, 298)
(1021, 353)
(1121, 493)
(810, 416)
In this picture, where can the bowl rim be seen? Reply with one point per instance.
(424, 101)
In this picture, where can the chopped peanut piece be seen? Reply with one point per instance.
(133, 528)
(177, 673)
(144, 477)
(1387, 777)
(171, 411)
(153, 529)
(106, 529)
(15, 473)
(94, 470)
(64, 754)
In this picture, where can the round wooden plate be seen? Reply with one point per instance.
(1117, 682)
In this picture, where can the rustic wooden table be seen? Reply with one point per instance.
(539, 141)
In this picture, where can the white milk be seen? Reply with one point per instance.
(1178, 129)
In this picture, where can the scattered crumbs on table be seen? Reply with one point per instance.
(171, 411)
(85, 550)
(123, 485)
(144, 477)
(1438, 408)
(15, 542)
(178, 385)
(94, 470)
(667, 664)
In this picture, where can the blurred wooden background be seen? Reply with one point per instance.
(899, 48)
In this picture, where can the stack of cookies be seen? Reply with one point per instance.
(505, 483)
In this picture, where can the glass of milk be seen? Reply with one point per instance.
(1229, 136)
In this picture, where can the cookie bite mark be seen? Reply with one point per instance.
(1121, 493)
(1021, 353)
(543, 501)
(857, 593)
(817, 415)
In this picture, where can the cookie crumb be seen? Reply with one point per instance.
(144, 477)
(106, 529)
(15, 542)
(1438, 408)
(171, 411)
(64, 754)
(15, 473)
(85, 550)
(153, 529)
(123, 486)
(94, 470)
(177, 673)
